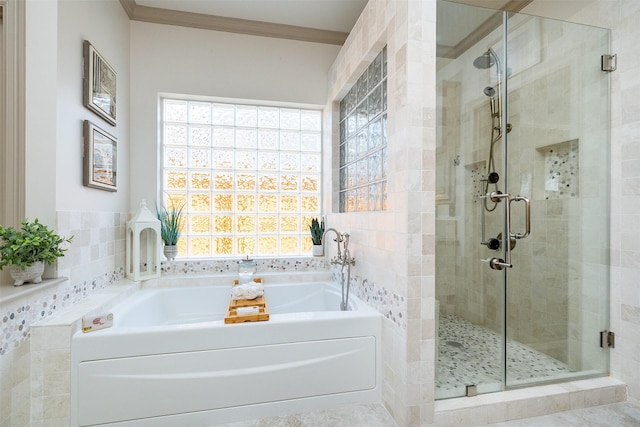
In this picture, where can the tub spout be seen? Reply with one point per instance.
(338, 240)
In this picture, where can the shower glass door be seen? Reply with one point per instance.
(557, 293)
(523, 143)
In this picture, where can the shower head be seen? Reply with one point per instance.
(484, 61)
(489, 91)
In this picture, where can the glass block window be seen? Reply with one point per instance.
(248, 176)
(363, 141)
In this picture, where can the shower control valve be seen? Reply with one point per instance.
(493, 244)
(493, 177)
(497, 196)
(497, 263)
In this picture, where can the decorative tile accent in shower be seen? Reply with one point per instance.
(476, 173)
(170, 268)
(561, 170)
(15, 321)
(470, 354)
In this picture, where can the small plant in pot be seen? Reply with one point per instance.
(26, 251)
(316, 228)
(170, 226)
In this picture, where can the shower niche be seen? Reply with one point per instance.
(557, 166)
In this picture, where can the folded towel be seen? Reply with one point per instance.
(251, 290)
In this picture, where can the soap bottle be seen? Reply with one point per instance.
(245, 270)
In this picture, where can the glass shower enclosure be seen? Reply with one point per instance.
(522, 176)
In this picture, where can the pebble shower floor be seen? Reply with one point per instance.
(470, 354)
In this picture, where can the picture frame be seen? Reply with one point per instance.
(100, 163)
(99, 84)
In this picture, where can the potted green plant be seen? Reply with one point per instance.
(26, 251)
(316, 228)
(170, 226)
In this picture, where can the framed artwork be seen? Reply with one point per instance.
(100, 158)
(99, 88)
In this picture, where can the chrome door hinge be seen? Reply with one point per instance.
(608, 63)
(607, 339)
(472, 390)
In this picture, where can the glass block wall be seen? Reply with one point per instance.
(247, 175)
(363, 141)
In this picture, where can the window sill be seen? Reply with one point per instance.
(10, 293)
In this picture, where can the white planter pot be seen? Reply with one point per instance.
(32, 274)
(170, 252)
(318, 250)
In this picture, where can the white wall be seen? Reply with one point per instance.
(108, 32)
(169, 59)
(40, 118)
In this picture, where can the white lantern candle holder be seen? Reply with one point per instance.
(143, 245)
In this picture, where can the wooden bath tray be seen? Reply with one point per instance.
(232, 312)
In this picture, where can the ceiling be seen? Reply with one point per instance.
(333, 15)
(321, 21)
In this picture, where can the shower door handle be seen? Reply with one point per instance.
(527, 217)
(496, 263)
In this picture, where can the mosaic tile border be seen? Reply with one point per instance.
(190, 267)
(15, 322)
(391, 305)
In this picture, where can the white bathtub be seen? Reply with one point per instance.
(170, 360)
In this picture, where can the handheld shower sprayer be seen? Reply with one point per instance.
(494, 107)
(487, 60)
(489, 91)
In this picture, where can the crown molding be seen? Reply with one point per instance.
(231, 25)
(483, 30)
(516, 5)
(129, 6)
